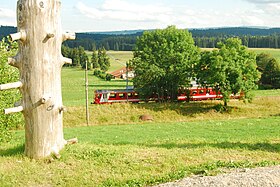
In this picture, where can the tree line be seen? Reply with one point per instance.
(99, 58)
(165, 61)
(204, 38)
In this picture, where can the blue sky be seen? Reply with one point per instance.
(112, 15)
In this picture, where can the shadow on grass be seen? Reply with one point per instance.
(269, 147)
(182, 108)
(106, 86)
(17, 150)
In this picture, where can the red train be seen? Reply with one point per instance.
(115, 96)
(129, 95)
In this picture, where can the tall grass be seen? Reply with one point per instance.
(261, 107)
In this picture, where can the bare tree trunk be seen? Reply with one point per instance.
(40, 61)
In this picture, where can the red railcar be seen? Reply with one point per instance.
(198, 94)
(115, 96)
(129, 95)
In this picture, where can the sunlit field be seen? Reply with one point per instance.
(118, 149)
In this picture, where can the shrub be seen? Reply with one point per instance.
(8, 98)
(102, 75)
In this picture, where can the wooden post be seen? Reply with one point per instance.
(40, 61)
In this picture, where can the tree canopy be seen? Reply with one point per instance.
(163, 61)
(231, 69)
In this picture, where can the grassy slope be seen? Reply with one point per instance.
(146, 154)
(274, 52)
(182, 139)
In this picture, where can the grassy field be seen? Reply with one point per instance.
(118, 149)
(274, 52)
(73, 86)
(118, 59)
(146, 154)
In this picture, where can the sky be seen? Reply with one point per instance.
(117, 15)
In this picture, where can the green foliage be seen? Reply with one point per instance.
(102, 75)
(271, 74)
(163, 61)
(231, 69)
(8, 74)
(103, 60)
(262, 60)
(94, 59)
(270, 68)
(78, 56)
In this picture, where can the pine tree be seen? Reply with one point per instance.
(94, 59)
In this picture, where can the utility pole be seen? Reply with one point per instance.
(86, 79)
(127, 81)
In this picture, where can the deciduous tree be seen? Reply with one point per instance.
(163, 60)
(231, 68)
(103, 60)
(94, 59)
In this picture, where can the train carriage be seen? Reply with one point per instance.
(130, 95)
(115, 96)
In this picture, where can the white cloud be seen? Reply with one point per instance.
(7, 17)
(124, 14)
(125, 11)
(270, 7)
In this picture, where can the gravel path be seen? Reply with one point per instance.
(257, 177)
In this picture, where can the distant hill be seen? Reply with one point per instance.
(209, 37)
(125, 32)
(234, 31)
(6, 30)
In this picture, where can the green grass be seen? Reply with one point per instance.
(118, 59)
(73, 86)
(118, 149)
(274, 52)
(146, 154)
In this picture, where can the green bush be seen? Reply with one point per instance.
(102, 75)
(109, 77)
(8, 74)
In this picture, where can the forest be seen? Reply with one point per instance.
(204, 38)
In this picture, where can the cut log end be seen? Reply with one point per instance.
(13, 110)
(69, 36)
(13, 62)
(11, 85)
(18, 36)
(66, 60)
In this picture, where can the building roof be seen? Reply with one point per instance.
(118, 73)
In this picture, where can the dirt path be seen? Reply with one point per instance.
(258, 177)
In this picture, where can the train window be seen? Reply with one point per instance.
(201, 91)
(121, 95)
(208, 91)
(129, 94)
(194, 92)
(112, 95)
(135, 94)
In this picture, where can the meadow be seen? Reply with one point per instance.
(118, 149)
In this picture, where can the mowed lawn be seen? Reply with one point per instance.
(118, 149)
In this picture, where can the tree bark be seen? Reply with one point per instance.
(40, 61)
